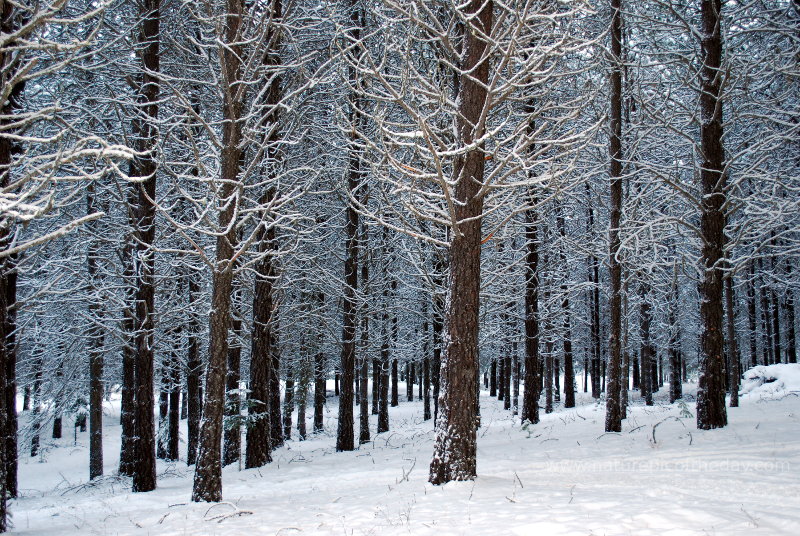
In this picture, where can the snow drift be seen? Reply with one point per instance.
(771, 381)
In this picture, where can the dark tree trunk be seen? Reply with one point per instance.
(613, 409)
(507, 381)
(344, 435)
(501, 374)
(675, 385)
(395, 397)
(259, 431)
(144, 463)
(646, 351)
(319, 378)
(437, 354)
(127, 414)
(302, 400)
(454, 455)
(530, 399)
(173, 426)
(363, 422)
(207, 485)
(36, 423)
(319, 390)
(376, 385)
(569, 370)
(13, 88)
(766, 324)
(548, 372)
(514, 381)
(383, 402)
(493, 378)
(276, 422)
(776, 327)
(791, 348)
(732, 345)
(711, 386)
(193, 374)
(751, 315)
(410, 381)
(8, 273)
(232, 430)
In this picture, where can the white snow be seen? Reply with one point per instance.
(772, 381)
(564, 476)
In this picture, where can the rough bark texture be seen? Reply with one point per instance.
(711, 386)
(258, 450)
(9, 62)
(530, 398)
(144, 462)
(207, 485)
(454, 456)
(613, 411)
(344, 435)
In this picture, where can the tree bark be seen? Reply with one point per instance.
(613, 410)
(530, 398)
(232, 430)
(711, 386)
(454, 455)
(207, 485)
(144, 462)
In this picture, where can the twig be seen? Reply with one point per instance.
(671, 417)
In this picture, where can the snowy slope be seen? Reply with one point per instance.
(660, 476)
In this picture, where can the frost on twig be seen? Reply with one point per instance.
(219, 518)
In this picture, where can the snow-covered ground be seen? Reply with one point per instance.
(660, 476)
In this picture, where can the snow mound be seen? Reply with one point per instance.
(771, 381)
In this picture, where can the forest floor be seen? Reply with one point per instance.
(563, 476)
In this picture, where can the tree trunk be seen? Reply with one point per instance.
(319, 379)
(675, 385)
(613, 410)
(569, 370)
(193, 373)
(530, 399)
(646, 351)
(259, 431)
(383, 402)
(732, 347)
(344, 435)
(454, 455)
(174, 421)
(144, 463)
(791, 348)
(207, 484)
(363, 422)
(232, 430)
(751, 315)
(711, 386)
